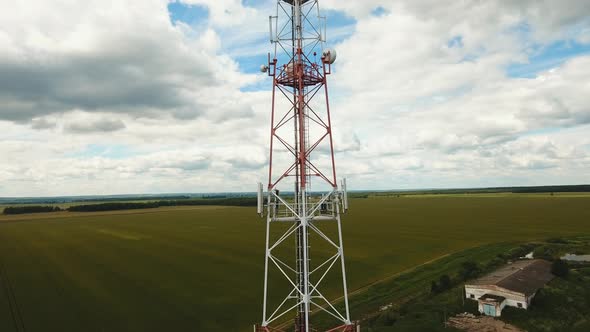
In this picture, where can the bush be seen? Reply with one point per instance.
(545, 252)
(494, 263)
(444, 283)
(560, 268)
(521, 251)
(433, 287)
(387, 318)
(469, 270)
(557, 240)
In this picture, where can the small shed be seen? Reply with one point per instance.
(512, 285)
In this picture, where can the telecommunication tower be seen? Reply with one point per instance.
(302, 153)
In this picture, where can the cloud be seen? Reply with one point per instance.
(99, 125)
(432, 102)
(243, 29)
(420, 96)
(59, 61)
(42, 123)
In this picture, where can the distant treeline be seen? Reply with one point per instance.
(556, 189)
(492, 190)
(146, 198)
(214, 196)
(114, 206)
(31, 209)
(230, 201)
(237, 201)
(116, 198)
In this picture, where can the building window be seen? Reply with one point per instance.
(519, 305)
(472, 296)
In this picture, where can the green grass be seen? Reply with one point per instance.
(201, 269)
(180, 270)
(562, 305)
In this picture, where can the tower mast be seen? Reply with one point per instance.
(297, 32)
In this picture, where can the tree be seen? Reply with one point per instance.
(434, 288)
(560, 268)
(469, 270)
(30, 209)
(444, 282)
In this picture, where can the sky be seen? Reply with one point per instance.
(157, 96)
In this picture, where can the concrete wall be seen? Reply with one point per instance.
(512, 298)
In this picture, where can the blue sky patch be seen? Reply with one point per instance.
(339, 26)
(545, 57)
(188, 14)
(456, 41)
(104, 151)
(255, 4)
(251, 64)
(379, 11)
(338, 18)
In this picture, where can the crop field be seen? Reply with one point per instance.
(200, 268)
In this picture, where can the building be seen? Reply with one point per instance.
(512, 285)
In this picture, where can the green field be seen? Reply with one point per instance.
(200, 268)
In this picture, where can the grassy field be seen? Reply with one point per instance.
(200, 268)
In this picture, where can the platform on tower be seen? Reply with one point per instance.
(354, 327)
(308, 74)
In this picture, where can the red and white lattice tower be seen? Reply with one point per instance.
(301, 154)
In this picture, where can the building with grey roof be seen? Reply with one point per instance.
(512, 285)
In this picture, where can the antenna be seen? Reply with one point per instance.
(301, 153)
(345, 195)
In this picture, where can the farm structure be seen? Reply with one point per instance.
(512, 285)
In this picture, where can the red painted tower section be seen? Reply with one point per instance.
(299, 82)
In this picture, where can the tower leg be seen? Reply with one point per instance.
(341, 244)
(305, 259)
(266, 258)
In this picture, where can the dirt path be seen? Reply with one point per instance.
(471, 323)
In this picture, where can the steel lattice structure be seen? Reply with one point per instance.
(299, 70)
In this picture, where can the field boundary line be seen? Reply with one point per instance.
(72, 215)
(17, 318)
